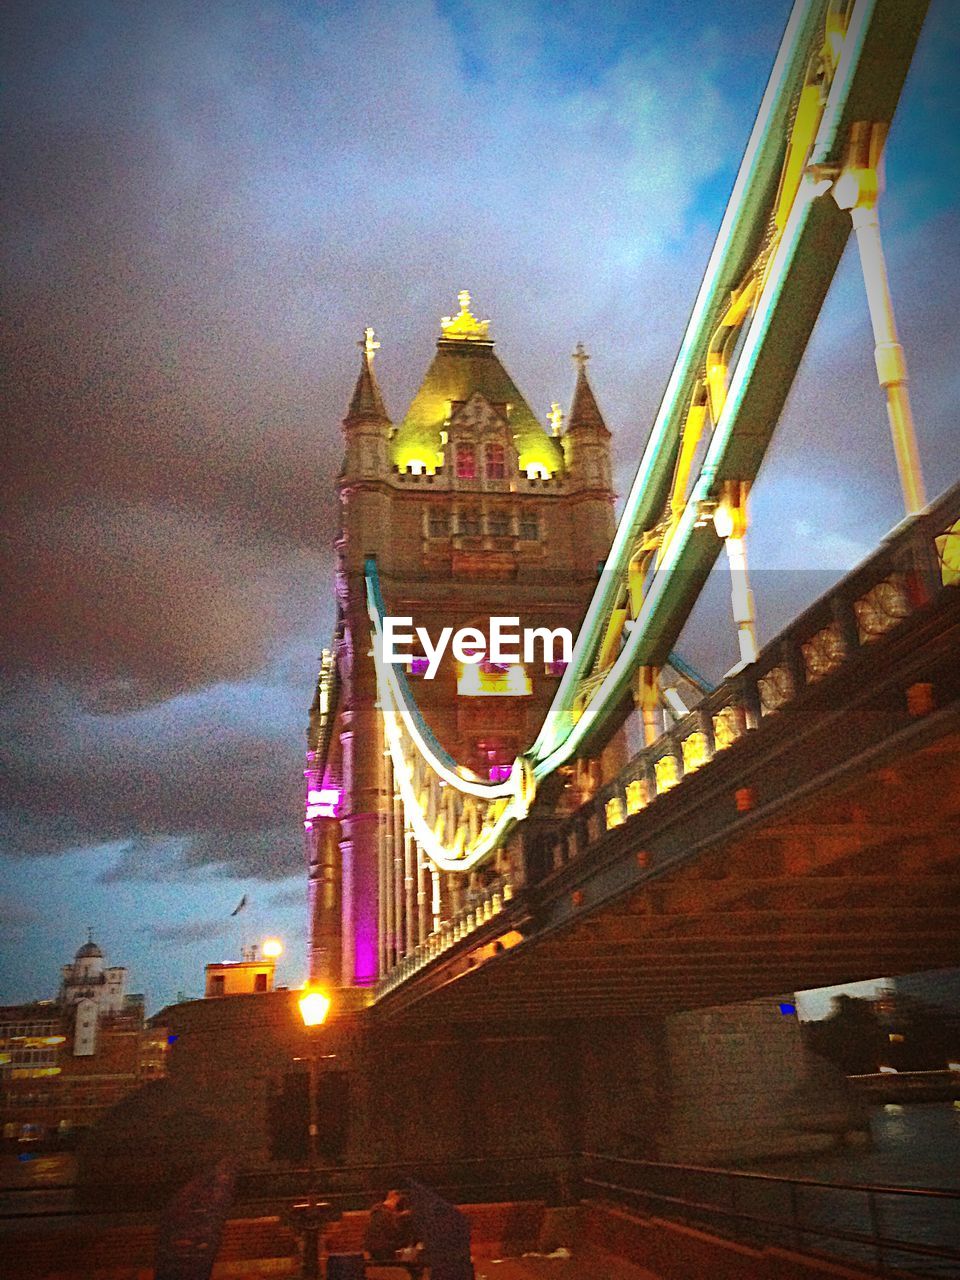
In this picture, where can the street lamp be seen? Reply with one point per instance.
(314, 1007)
(271, 948)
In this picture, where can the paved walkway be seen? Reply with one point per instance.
(586, 1264)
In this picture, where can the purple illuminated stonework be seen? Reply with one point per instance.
(323, 802)
(365, 956)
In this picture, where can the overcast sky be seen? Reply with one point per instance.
(207, 203)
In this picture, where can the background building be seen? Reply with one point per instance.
(64, 1062)
(252, 974)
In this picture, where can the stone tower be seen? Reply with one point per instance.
(472, 508)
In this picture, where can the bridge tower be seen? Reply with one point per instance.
(472, 508)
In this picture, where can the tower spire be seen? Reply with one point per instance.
(584, 411)
(367, 402)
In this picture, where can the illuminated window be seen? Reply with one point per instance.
(466, 462)
(438, 524)
(494, 461)
(488, 680)
(470, 524)
(529, 527)
(496, 757)
(498, 524)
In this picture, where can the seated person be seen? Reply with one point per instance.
(390, 1234)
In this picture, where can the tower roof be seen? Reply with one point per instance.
(367, 402)
(584, 411)
(465, 363)
(89, 951)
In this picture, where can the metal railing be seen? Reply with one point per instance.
(484, 906)
(550, 1177)
(895, 1230)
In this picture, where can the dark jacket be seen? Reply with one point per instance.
(387, 1232)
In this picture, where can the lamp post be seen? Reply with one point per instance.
(314, 1007)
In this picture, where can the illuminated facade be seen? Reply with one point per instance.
(252, 974)
(472, 508)
(64, 1062)
(88, 978)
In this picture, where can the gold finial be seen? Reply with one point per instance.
(464, 325)
(367, 344)
(580, 357)
(556, 418)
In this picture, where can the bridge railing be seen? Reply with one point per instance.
(915, 564)
(482, 908)
(897, 1230)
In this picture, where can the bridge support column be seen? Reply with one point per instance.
(325, 920)
(858, 189)
(384, 896)
(409, 883)
(423, 889)
(648, 700)
(361, 845)
(730, 519)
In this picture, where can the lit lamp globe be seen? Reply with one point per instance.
(314, 1007)
(272, 948)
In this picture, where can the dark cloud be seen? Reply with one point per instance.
(177, 787)
(132, 604)
(186, 932)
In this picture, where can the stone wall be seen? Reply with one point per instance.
(714, 1085)
(743, 1085)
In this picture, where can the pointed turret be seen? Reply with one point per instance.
(586, 446)
(584, 411)
(367, 402)
(366, 426)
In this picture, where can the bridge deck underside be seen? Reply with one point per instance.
(857, 878)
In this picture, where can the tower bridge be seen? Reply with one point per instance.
(494, 839)
(537, 890)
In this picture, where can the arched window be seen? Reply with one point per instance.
(466, 462)
(494, 461)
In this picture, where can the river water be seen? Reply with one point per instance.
(912, 1146)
